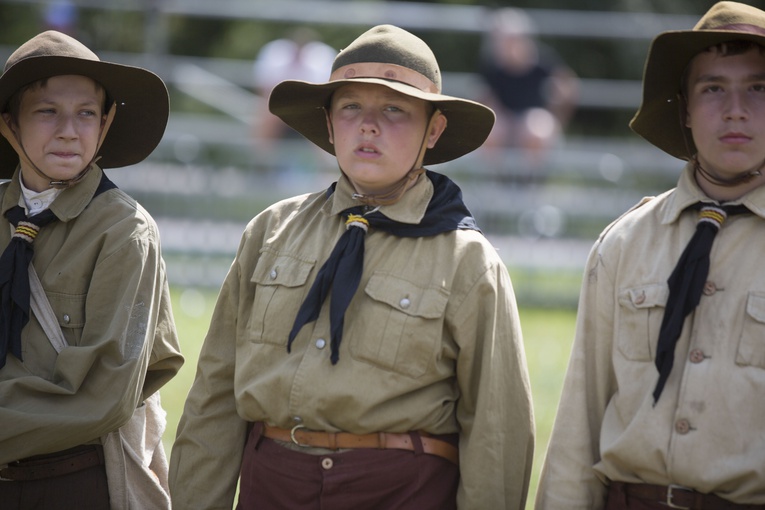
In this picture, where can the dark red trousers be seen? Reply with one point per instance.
(86, 489)
(274, 477)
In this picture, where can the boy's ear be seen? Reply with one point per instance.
(437, 127)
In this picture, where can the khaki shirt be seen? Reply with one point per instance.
(707, 431)
(431, 342)
(102, 272)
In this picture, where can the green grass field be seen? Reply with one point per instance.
(547, 336)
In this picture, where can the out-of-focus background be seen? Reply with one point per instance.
(562, 75)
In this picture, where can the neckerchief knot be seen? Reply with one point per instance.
(357, 220)
(713, 214)
(26, 231)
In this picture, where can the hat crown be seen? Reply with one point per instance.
(388, 44)
(50, 44)
(732, 16)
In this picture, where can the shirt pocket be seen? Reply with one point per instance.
(280, 280)
(401, 326)
(751, 346)
(70, 314)
(641, 310)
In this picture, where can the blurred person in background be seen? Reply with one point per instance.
(533, 92)
(365, 350)
(662, 405)
(301, 55)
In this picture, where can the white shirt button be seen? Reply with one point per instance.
(321, 343)
(273, 274)
(67, 319)
(405, 303)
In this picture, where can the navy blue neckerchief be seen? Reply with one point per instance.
(342, 271)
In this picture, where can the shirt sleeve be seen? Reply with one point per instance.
(494, 411)
(207, 453)
(568, 480)
(93, 386)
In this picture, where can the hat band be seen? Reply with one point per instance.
(385, 72)
(742, 27)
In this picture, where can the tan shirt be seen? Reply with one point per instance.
(431, 342)
(102, 272)
(707, 431)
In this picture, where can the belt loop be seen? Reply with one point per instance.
(332, 440)
(416, 443)
(617, 496)
(255, 435)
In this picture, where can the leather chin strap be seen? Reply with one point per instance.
(742, 178)
(406, 182)
(6, 131)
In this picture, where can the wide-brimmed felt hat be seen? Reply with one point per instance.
(389, 56)
(660, 116)
(142, 103)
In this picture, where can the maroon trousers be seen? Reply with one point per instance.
(274, 477)
(84, 489)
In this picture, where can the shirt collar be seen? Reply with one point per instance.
(70, 202)
(409, 209)
(688, 193)
(35, 202)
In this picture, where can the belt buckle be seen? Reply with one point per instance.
(294, 439)
(670, 495)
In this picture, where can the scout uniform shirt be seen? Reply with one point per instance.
(431, 342)
(706, 431)
(102, 272)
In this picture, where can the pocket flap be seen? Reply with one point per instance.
(281, 269)
(646, 296)
(69, 309)
(408, 297)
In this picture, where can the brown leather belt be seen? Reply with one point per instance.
(55, 464)
(380, 440)
(674, 496)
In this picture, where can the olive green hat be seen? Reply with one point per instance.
(389, 56)
(142, 103)
(659, 118)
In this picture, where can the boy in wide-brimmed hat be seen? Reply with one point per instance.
(365, 351)
(662, 404)
(82, 349)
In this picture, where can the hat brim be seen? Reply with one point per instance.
(658, 119)
(143, 105)
(301, 105)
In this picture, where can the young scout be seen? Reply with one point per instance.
(365, 351)
(65, 116)
(662, 405)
